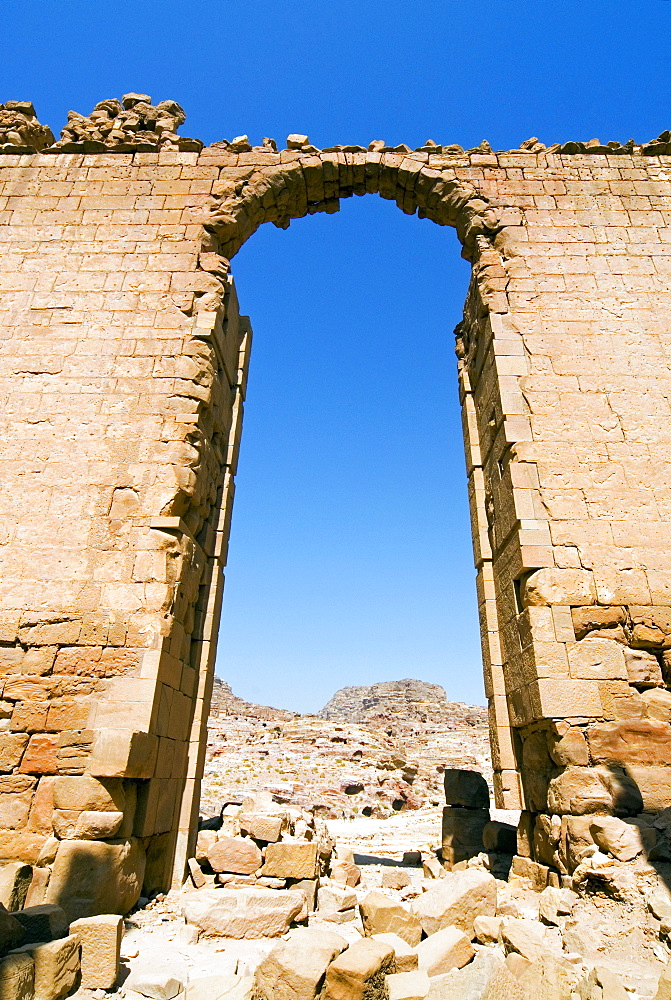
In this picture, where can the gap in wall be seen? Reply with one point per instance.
(350, 559)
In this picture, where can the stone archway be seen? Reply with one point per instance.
(124, 382)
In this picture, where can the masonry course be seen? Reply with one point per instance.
(123, 371)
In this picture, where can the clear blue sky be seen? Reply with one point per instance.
(351, 558)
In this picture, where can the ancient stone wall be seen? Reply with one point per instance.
(123, 370)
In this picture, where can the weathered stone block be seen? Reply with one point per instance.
(295, 969)
(15, 879)
(447, 949)
(56, 967)
(462, 833)
(382, 915)
(291, 860)
(17, 977)
(45, 922)
(359, 973)
(465, 788)
(100, 939)
(235, 855)
(92, 876)
(244, 913)
(456, 901)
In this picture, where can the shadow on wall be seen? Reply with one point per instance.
(94, 876)
(628, 834)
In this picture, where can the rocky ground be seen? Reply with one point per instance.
(370, 752)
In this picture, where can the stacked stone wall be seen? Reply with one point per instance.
(123, 376)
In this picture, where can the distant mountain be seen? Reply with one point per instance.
(406, 702)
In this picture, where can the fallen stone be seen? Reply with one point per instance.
(486, 978)
(408, 985)
(243, 913)
(154, 984)
(465, 788)
(264, 828)
(196, 873)
(93, 876)
(500, 837)
(56, 966)
(15, 879)
(487, 929)
(17, 977)
(360, 972)
(643, 668)
(100, 939)
(235, 855)
(381, 915)
(432, 868)
(457, 900)
(395, 878)
(342, 917)
(613, 835)
(405, 957)
(295, 968)
(334, 899)
(523, 936)
(211, 987)
(664, 984)
(12, 933)
(47, 922)
(206, 840)
(447, 949)
(291, 860)
(345, 872)
(546, 977)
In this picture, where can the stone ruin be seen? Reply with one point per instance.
(124, 366)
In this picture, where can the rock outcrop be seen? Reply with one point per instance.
(406, 703)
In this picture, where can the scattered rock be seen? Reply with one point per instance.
(244, 913)
(447, 949)
(360, 972)
(457, 900)
(382, 915)
(295, 969)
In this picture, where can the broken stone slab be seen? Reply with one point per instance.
(15, 879)
(94, 876)
(432, 868)
(457, 900)
(396, 878)
(154, 983)
(664, 984)
(465, 788)
(12, 933)
(405, 957)
(613, 835)
(235, 856)
(486, 978)
(381, 915)
(360, 972)
(46, 922)
(487, 929)
(291, 860)
(499, 837)
(345, 872)
(295, 968)
(100, 939)
(643, 668)
(267, 829)
(334, 899)
(462, 833)
(243, 913)
(56, 966)
(408, 985)
(17, 977)
(69, 824)
(445, 950)
(526, 937)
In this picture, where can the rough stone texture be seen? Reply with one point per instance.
(100, 939)
(408, 985)
(56, 967)
(15, 879)
(286, 860)
(236, 855)
(456, 901)
(382, 915)
(295, 969)
(444, 950)
(92, 877)
(360, 972)
(45, 922)
(117, 306)
(244, 913)
(17, 977)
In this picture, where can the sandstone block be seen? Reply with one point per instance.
(41, 756)
(395, 878)
(579, 790)
(267, 829)
(658, 704)
(88, 825)
(596, 659)
(334, 898)
(45, 922)
(123, 753)
(632, 741)
(347, 873)
(456, 901)
(531, 871)
(15, 879)
(244, 913)
(559, 586)
(465, 788)
(382, 915)
(295, 968)
(100, 939)
(12, 933)
(12, 746)
(291, 860)
(235, 855)
(664, 984)
(206, 840)
(196, 873)
(654, 785)
(643, 668)
(92, 876)
(499, 837)
(154, 983)
(56, 967)
(487, 929)
(405, 957)
(408, 985)
(614, 836)
(360, 972)
(485, 978)
(526, 937)
(447, 949)
(17, 977)
(82, 792)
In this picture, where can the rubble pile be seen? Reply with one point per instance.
(20, 131)
(132, 124)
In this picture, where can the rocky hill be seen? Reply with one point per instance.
(405, 704)
(390, 761)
